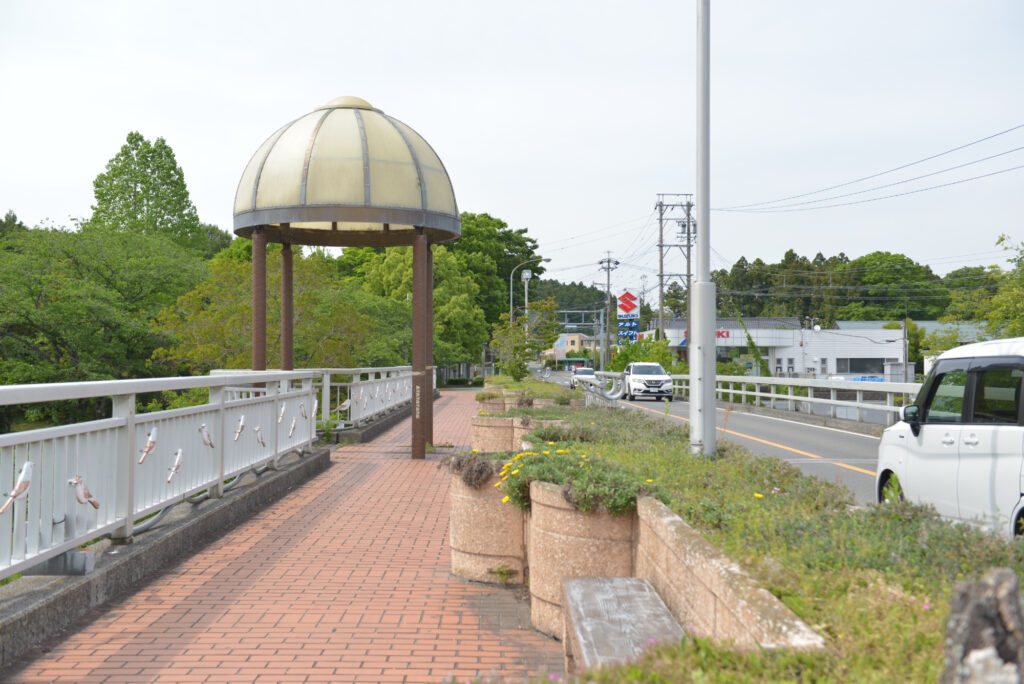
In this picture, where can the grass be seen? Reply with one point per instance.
(875, 582)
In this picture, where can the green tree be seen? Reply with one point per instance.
(143, 191)
(11, 225)
(1006, 307)
(77, 306)
(519, 338)
(647, 349)
(889, 286)
(971, 289)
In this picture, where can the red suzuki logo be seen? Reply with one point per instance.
(627, 302)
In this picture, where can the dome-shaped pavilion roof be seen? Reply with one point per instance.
(346, 174)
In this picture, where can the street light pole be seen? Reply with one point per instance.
(511, 273)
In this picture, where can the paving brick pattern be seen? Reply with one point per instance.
(344, 580)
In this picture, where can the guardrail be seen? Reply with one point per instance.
(352, 397)
(870, 402)
(67, 485)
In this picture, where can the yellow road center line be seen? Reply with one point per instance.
(808, 454)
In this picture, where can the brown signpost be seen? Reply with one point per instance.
(347, 174)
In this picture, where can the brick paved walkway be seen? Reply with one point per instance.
(345, 579)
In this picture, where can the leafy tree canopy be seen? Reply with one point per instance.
(143, 191)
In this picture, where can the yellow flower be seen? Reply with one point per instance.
(561, 451)
(583, 455)
(547, 453)
(758, 496)
(504, 478)
(504, 500)
(650, 481)
(516, 471)
(591, 422)
(551, 444)
(476, 451)
(497, 484)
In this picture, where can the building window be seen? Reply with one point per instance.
(824, 366)
(572, 343)
(860, 366)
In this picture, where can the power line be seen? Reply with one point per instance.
(874, 175)
(877, 187)
(876, 199)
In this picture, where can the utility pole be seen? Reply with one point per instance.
(669, 203)
(689, 275)
(608, 264)
(703, 439)
(661, 269)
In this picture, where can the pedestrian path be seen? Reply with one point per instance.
(346, 579)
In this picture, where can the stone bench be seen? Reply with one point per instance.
(612, 620)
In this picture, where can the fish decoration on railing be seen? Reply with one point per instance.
(241, 426)
(82, 493)
(259, 436)
(176, 468)
(20, 490)
(280, 416)
(150, 445)
(207, 439)
(302, 410)
(291, 431)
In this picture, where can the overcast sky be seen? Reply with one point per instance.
(567, 118)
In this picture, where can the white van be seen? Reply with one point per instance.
(960, 446)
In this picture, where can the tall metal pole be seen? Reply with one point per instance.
(702, 364)
(287, 310)
(259, 299)
(689, 272)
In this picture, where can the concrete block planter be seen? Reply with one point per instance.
(497, 434)
(485, 534)
(565, 542)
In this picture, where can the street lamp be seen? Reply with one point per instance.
(528, 261)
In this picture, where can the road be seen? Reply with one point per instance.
(846, 458)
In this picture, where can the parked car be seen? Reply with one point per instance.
(647, 379)
(577, 372)
(960, 446)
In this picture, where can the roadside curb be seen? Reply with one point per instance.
(34, 609)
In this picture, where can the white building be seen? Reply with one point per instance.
(795, 351)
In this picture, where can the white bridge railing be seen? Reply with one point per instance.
(869, 402)
(352, 397)
(63, 486)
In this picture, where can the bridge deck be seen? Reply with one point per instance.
(345, 579)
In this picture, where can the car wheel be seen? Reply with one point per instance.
(892, 491)
(669, 397)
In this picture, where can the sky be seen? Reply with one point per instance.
(565, 118)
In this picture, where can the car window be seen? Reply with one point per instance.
(997, 396)
(947, 402)
(584, 371)
(649, 370)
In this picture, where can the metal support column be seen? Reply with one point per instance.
(259, 299)
(287, 310)
(422, 390)
(702, 337)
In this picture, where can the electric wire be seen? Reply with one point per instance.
(874, 175)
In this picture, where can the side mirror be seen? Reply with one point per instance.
(911, 414)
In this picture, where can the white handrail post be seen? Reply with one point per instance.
(860, 400)
(890, 402)
(790, 406)
(310, 392)
(124, 407)
(833, 395)
(325, 398)
(217, 398)
(274, 389)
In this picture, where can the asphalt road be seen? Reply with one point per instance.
(846, 458)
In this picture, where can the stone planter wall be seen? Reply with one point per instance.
(564, 542)
(495, 434)
(485, 533)
(709, 593)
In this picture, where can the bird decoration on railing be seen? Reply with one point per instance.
(150, 445)
(291, 431)
(82, 493)
(316, 405)
(302, 410)
(259, 436)
(207, 439)
(241, 426)
(20, 487)
(343, 406)
(280, 416)
(176, 468)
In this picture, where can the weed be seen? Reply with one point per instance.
(504, 573)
